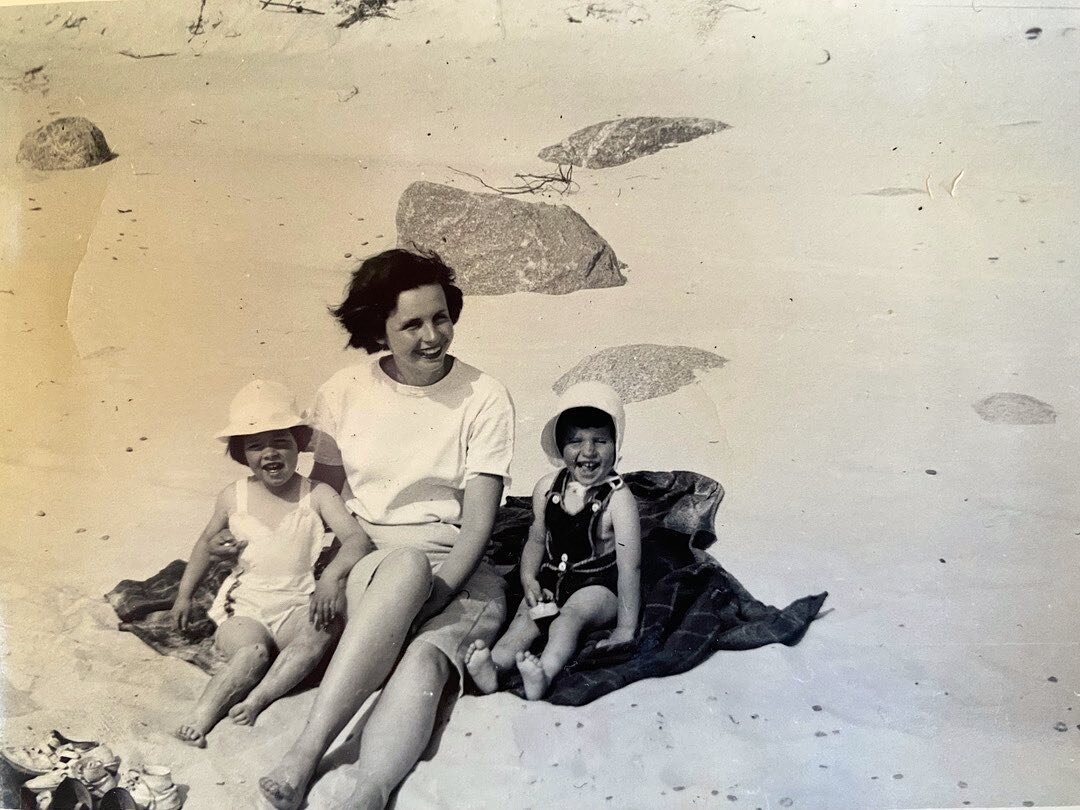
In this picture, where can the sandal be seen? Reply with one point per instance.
(95, 768)
(41, 758)
(69, 794)
(153, 788)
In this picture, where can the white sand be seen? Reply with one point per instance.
(859, 328)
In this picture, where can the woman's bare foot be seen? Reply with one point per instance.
(285, 786)
(246, 712)
(189, 733)
(481, 668)
(533, 677)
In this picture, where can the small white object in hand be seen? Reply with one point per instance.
(542, 610)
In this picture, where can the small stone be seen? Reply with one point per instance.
(786, 802)
(820, 734)
(63, 144)
(897, 776)
(961, 784)
(731, 797)
(104, 537)
(816, 708)
(1029, 804)
(40, 513)
(931, 472)
(80, 531)
(679, 787)
(1060, 727)
(129, 449)
(1052, 679)
(348, 255)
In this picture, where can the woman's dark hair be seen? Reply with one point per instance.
(583, 417)
(376, 284)
(235, 449)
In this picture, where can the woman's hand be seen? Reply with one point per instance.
(325, 602)
(180, 614)
(618, 636)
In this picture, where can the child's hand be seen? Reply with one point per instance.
(618, 636)
(324, 603)
(223, 545)
(533, 592)
(180, 614)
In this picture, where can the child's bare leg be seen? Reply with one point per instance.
(247, 645)
(302, 647)
(484, 664)
(590, 607)
(375, 628)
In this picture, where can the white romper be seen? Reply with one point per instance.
(273, 577)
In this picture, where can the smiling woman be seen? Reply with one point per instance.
(421, 444)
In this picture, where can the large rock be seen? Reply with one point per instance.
(1014, 409)
(641, 371)
(612, 143)
(498, 245)
(66, 143)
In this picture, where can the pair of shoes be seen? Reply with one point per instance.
(153, 788)
(94, 768)
(35, 760)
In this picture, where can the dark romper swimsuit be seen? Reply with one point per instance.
(572, 560)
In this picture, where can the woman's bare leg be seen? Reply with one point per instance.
(302, 647)
(247, 645)
(400, 725)
(378, 620)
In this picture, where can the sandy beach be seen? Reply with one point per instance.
(885, 235)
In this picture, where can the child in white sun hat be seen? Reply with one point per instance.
(274, 620)
(581, 563)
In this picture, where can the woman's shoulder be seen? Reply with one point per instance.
(483, 384)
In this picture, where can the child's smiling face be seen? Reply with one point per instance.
(589, 454)
(272, 456)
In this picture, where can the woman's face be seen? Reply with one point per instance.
(418, 333)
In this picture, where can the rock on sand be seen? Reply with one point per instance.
(65, 143)
(1015, 409)
(499, 245)
(641, 371)
(612, 143)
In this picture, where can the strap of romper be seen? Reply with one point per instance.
(305, 494)
(242, 495)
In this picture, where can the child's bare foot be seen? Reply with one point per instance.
(481, 668)
(246, 712)
(189, 733)
(285, 786)
(533, 676)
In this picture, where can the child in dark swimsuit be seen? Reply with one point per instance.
(581, 563)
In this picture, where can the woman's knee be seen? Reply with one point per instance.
(424, 662)
(407, 565)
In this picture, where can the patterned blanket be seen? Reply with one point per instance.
(691, 606)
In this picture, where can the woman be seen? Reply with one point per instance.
(420, 443)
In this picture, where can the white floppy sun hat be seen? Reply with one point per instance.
(259, 406)
(589, 394)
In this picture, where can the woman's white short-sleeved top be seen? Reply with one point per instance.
(407, 450)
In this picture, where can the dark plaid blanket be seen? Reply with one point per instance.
(692, 607)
